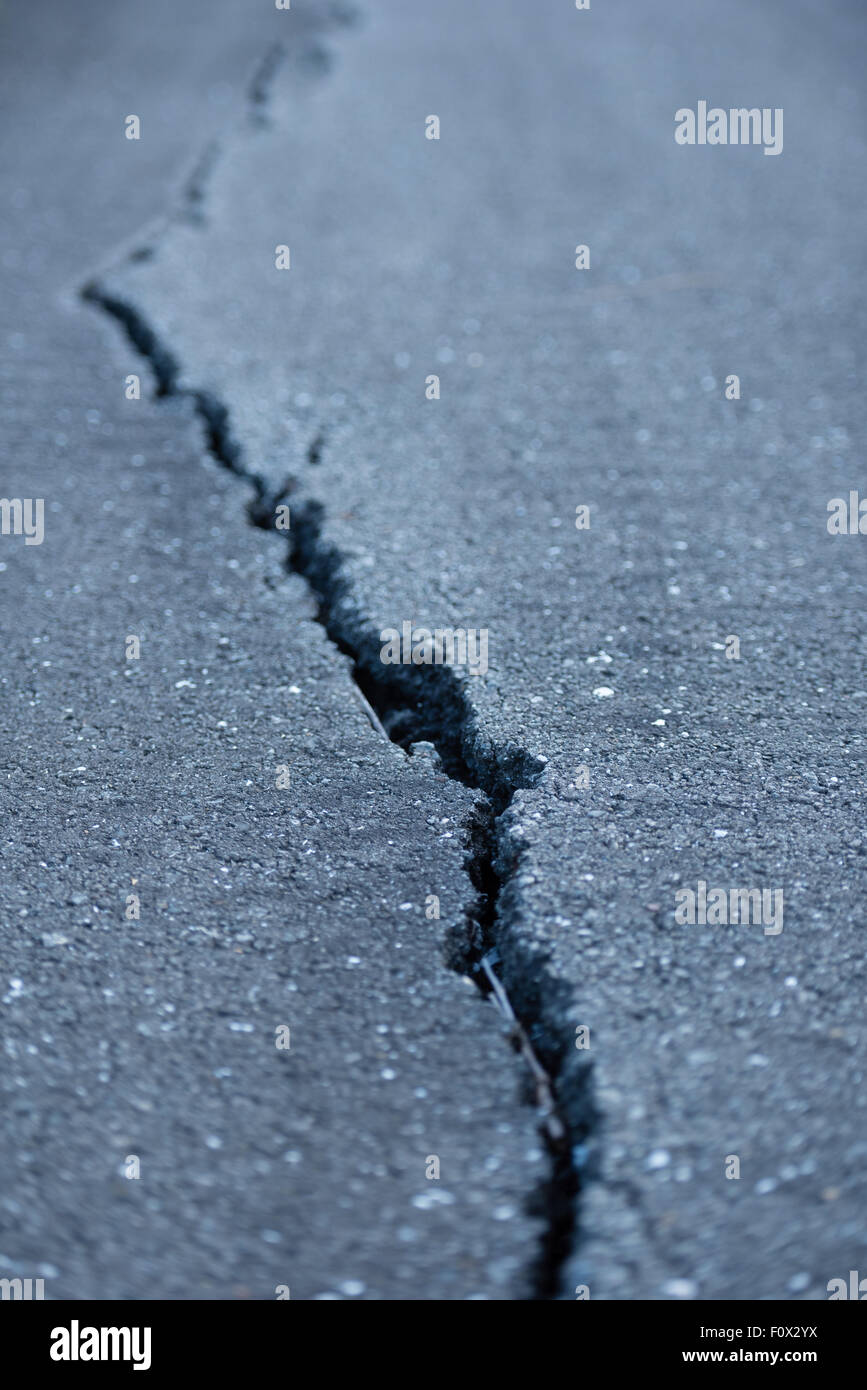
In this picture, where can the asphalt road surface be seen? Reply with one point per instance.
(373, 978)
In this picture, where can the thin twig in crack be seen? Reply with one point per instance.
(370, 711)
(544, 1095)
(320, 565)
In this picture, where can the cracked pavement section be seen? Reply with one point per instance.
(708, 518)
(260, 907)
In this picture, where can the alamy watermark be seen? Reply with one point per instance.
(720, 907)
(23, 1289)
(856, 1288)
(442, 646)
(77, 1343)
(738, 126)
(847, 518)
(23, 516)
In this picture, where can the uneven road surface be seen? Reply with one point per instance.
(377, 978)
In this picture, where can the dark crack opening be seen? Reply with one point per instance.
(420, 704)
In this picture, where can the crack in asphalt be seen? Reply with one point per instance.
(409, 706)
(428, 705)
(259, 88)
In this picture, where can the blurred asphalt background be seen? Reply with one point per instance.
(305, 906)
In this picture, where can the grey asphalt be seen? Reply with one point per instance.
(559, 388)
(261, 1169)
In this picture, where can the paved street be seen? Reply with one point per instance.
(378, 395)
